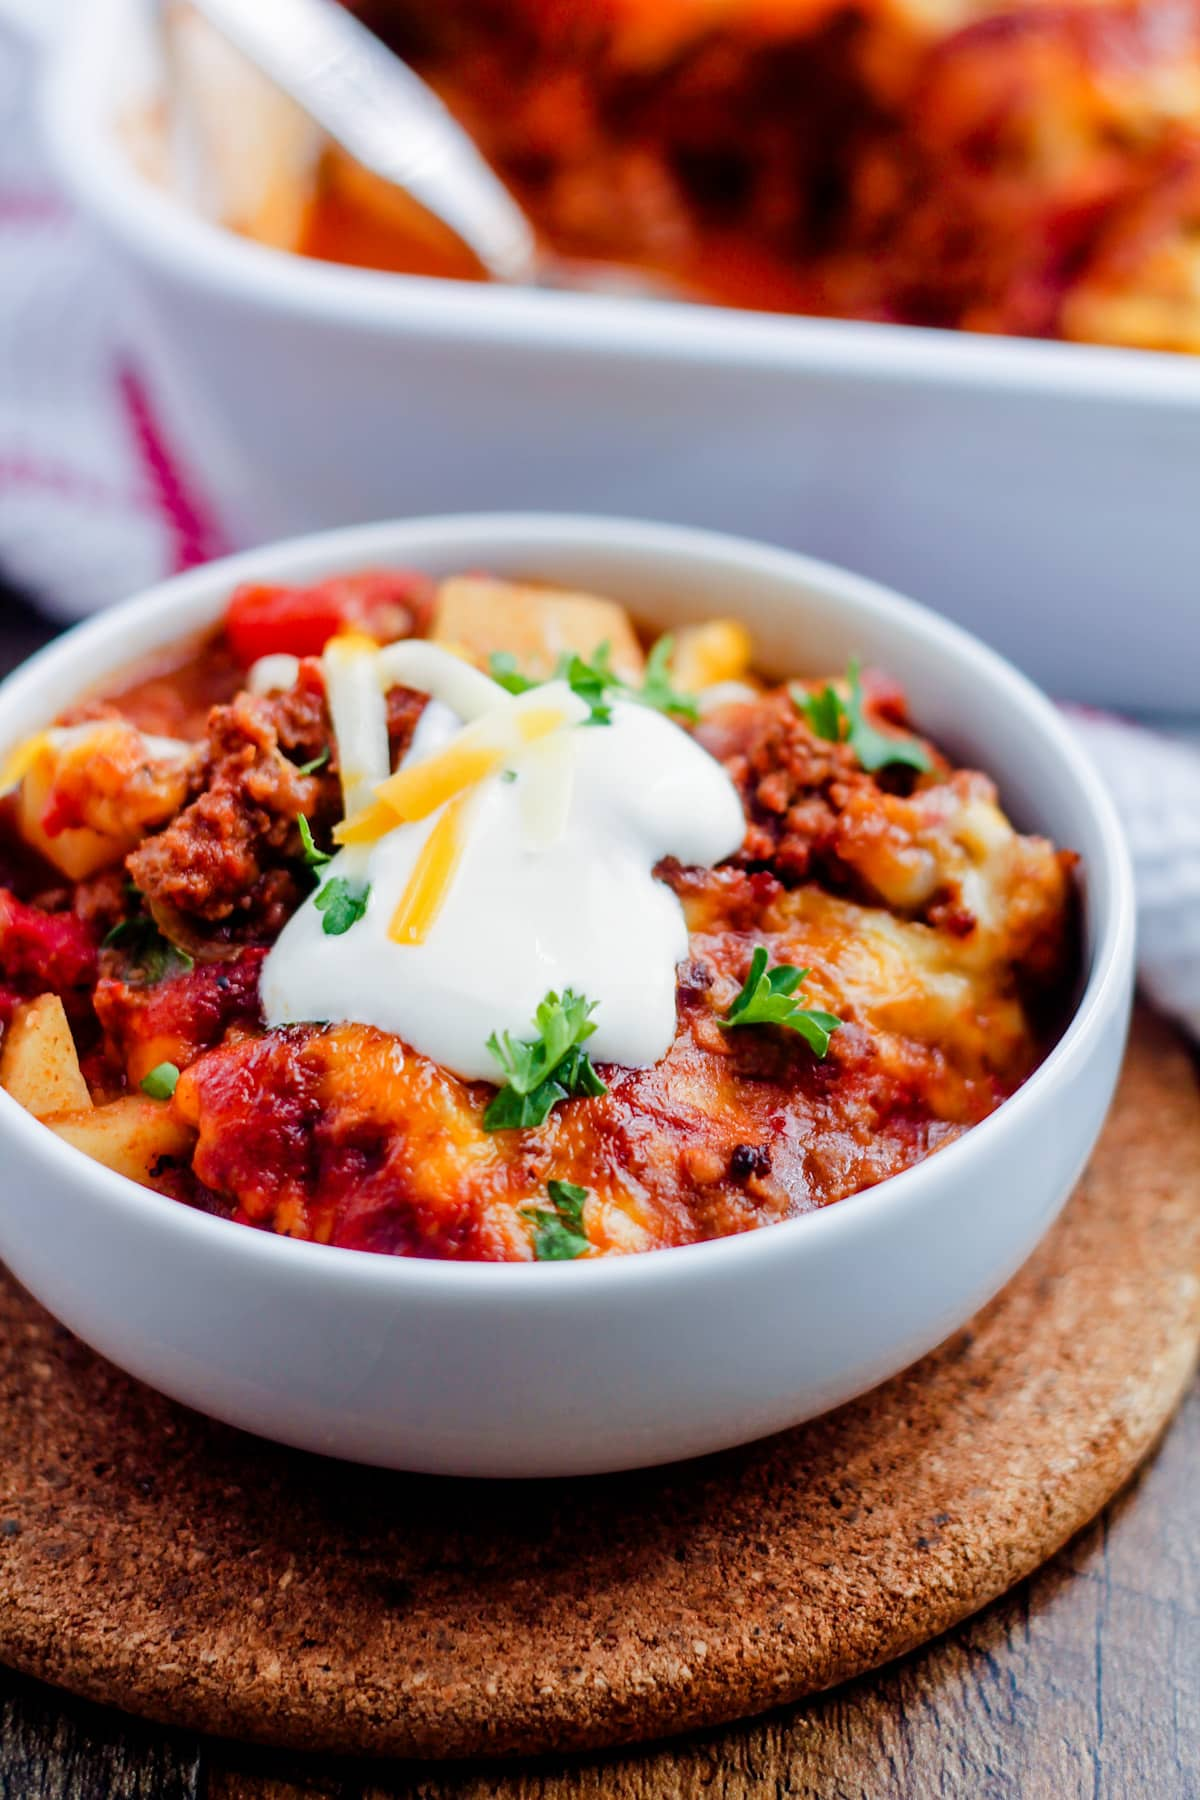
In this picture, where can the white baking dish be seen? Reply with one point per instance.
(1044, 494)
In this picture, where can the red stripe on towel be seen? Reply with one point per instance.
(195, 532)
(56, 478)
(31, 206)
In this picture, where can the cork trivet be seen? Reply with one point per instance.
(174, 1567)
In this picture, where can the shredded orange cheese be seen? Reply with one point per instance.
(18, 762)
(478, 751)
(431, 878)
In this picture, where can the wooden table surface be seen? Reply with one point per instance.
(1082, 1684)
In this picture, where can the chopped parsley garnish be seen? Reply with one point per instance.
(313, 857)
(845, 722)
(161, 1082)
(503, 669)
(596, 682)
(657, 690)
(541, 1071)
(823, 711)
(559, 1236)
(591, 681)
(766, 999)
(318, 762)
(343, 904)
(150, 957)
(588, 680)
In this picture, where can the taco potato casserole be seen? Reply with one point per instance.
(1020, 166)
(458, 920)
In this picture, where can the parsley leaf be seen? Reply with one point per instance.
(502, 667)
(541, 1071)
(845, 721)
(150, 956)
(559, 1236)
(318, 762)
(766, 999)
(596, 681)
(657, 691)
(823, 712)
(342, 904)
(591, 681)
(128, 931)
(587, 679)
(161, 1082)
(313, 857)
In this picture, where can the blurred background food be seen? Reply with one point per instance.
(839, 176)
(1031, 169)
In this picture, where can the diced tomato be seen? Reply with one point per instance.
(885, 696)
(385, 604)
(43, 952)
(173, 1021)
(263, 621)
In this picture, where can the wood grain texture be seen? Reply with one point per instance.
(79, 1751)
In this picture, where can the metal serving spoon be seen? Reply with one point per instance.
(384, 116)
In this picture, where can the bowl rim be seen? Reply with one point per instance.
(1107, 985)
(103, 181)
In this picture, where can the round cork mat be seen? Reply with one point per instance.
(177, 1568)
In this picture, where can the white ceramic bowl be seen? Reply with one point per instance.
(1042, 494)
(567, 1368)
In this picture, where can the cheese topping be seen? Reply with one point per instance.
(511, 853)
(18, 762)
(477, 752)
(433, 871)
(78, 739)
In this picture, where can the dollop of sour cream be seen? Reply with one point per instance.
(544, 872)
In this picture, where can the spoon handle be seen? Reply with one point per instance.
(375, 107)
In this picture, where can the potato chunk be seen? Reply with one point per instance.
(132, 1135)
(90, 792)
(253, 153)
(705, 655)
(537, 625)
(39, 1066)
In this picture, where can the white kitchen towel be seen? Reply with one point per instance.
(1155, 782)
(97, 500)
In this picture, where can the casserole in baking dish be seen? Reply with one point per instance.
(988, 164)
(1042, 493)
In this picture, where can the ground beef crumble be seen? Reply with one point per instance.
(233, 856)
(230, 856)
(800, 791)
